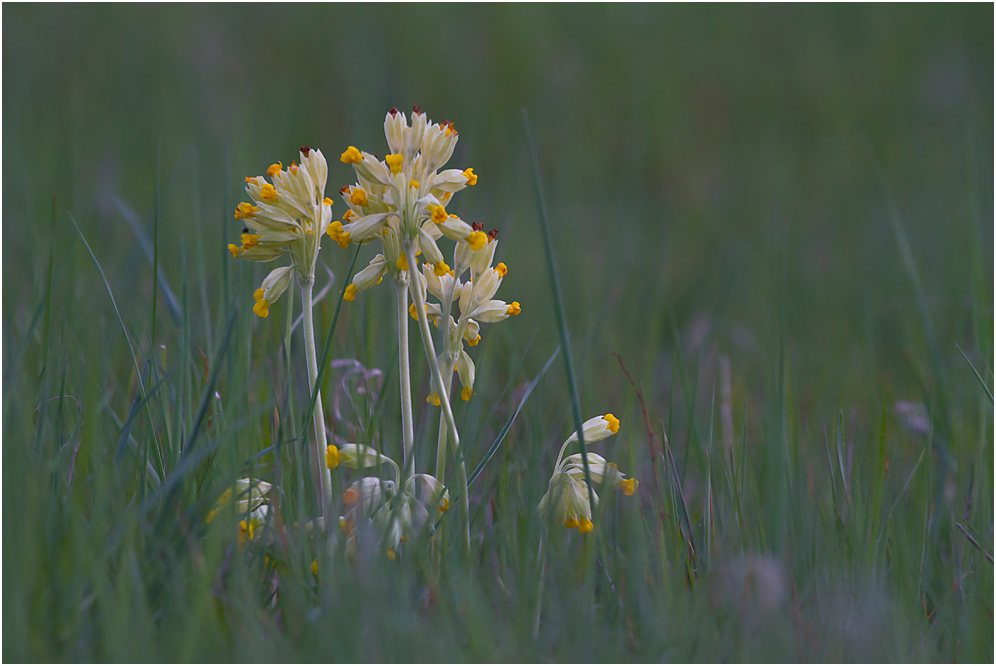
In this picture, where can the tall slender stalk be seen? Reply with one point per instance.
(404, 371)
(444, 401)
(322, 476)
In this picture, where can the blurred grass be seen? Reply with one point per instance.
(723, 186)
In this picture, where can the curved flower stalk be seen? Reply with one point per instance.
(566, 500)
(477, 305)
(395, 515)
(287, 217)
(402, 201)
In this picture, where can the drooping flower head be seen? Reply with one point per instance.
(566, 500)
(476, 302)
(395, 515)
(287, 216)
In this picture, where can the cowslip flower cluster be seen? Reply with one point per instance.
(396, 515)
(476, 303)
(403, 198)
(288, 215)
(566, 500)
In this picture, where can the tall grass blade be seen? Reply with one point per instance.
(508, 424)
(977, 375)
(559, 307)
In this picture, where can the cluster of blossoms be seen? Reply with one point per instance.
(400, 201)
(566, 500)
(286, 216)
(395, 511)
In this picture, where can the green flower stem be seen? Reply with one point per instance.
(322, 475)
(444, 401)
(404, 365)
(441, 444)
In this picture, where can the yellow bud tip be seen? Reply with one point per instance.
(268, 193)
(343, 240)
(245, 210)
(358, 197)
(413, 184)
(413, 312)
(571, 523)
(390, 553)
(346, 526)
(402, 262)
(441, 269)
(473, 343)
(513, 309)
(334, 230)
(613, 423)
(445, 504)
(438, 214)
(470, 176)
(350, 294)
(501, 269)
(585, 526)
(466, 393)
(314, 567)
(262, 309)
(394, 162)
(251, 179)
(274, 169)
(258, 294)
(350, 497)
(433, 399)
(351, 156)
(629, 486)
(332, 456)
(348, 215)
(236, 250)
(211, 515)
(477, 240)
(327, 201)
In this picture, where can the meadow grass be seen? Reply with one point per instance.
(778, 218)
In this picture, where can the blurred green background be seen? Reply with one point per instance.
(726, 184)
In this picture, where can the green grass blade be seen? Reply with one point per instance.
(977, 375)
(508, 424)
(559, 307)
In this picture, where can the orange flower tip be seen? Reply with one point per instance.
(350, 497)
(513, 309)
(327, 201)
(394, 162)
(274, 169)
(613, 423)
(350, 294)
(351, 156)
(470, 176)
(477, 240)
(501, 269)
(466, 393)
(438, 214)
